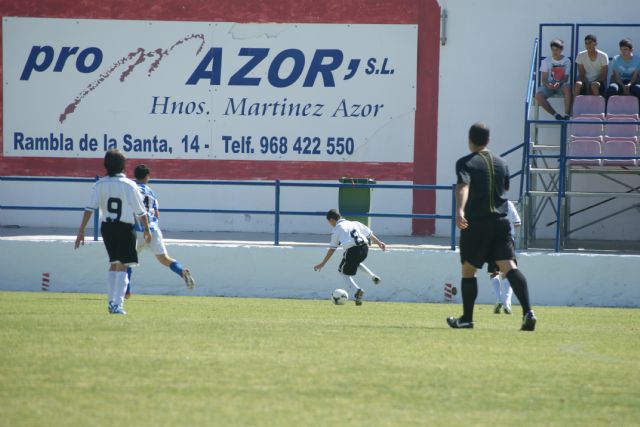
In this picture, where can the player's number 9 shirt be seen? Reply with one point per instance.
(117, 198)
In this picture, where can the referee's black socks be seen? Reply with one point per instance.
(469, 289)
(519, 285)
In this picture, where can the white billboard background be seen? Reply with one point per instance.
(117, 105)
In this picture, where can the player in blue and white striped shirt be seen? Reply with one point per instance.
(150, 201)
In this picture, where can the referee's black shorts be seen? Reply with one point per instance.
(352, 258)
(120, 240)
(487, 240)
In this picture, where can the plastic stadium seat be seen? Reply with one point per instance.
(584, 147)
(620, 147)
(589, 105)
(585, 130)
(627, 130)
(622, 105)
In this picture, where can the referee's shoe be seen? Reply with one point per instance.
(529, 321)
(456, 323)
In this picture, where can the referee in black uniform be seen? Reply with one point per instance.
(483, 179)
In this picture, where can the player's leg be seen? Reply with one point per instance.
(503, 250)
(159, 249)
(127, 293)
(127, 256)
(364, 252)
(495, 284)
(121, 283)
(469, 288)
(109, 237)
(494, 278)
(519, 285)
(111, 289)
(473, 254)
(348, 268)
(507, 293)
(140, 245)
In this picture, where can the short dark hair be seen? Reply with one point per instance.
(626, 43)
(591, 37)
(141, 172)
(557, 43)
(114, 162)
(333, 214)
(479, 134)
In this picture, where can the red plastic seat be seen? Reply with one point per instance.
(622, 105)
(618, 148)
(585, 130)
(627, 130)
(584, 147)
(589, 105)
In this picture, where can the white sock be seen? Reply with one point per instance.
(111, 286)
(364, 268)
(121, 287)
(495, 282)
(348, 280)
(507, 292)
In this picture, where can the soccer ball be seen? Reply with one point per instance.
(340, 297)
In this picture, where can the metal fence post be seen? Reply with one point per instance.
(561, 180)
(276, 241)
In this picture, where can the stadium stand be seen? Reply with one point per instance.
(557, 176)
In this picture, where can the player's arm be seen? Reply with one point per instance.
(462, 195)
(377, 241)
(329, 254)
(144, 219)
(134, 197)
(83, 224)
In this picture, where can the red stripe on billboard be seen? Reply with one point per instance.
(215, 169)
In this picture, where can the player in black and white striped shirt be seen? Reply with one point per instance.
(354, 238)
(118, 200)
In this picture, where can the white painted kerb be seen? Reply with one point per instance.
(287, 272)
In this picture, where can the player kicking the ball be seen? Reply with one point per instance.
(150, 200)
(354, 238)
(118, 200)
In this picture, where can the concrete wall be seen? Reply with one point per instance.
(287, 272)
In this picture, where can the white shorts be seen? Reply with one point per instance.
(156, 244)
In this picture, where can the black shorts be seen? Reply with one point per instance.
(120, 240)
(352, 258)
(487, 240)
(492, 267)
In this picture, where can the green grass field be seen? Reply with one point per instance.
(261, 362)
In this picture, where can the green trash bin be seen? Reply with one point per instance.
(356, 199)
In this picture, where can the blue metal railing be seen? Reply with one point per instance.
(276, 212)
